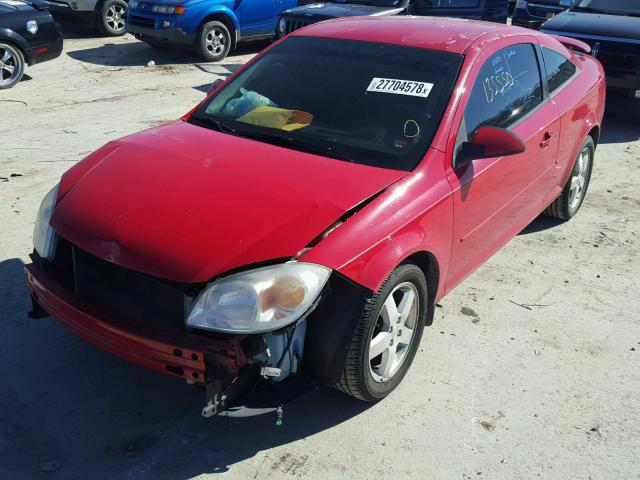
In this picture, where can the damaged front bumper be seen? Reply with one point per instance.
(213, 361)
(256, 371)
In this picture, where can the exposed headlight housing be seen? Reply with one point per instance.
(32, 27)
(260, 300)
(282, 25)
(44, 238)
(167, 9)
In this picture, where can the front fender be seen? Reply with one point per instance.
(18, 40)
(203, 11)
(415, 215)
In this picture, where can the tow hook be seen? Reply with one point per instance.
(215, 394)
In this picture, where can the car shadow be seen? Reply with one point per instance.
(541, 222)
(72, 408)
(139, 53)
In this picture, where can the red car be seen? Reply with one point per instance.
(301, 222)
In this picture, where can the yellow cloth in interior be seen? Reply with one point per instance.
(273, 117)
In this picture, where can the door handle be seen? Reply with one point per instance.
(546, 139)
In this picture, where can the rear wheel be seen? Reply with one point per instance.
(11, 65)
(111, 17)
(568, 203)
(214, 41)
(387, 336)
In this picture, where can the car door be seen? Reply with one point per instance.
(258, 17)
(494, 198)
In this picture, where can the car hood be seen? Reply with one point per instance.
(594, 24)
(326, 11)
(186, 203)
(8, 6)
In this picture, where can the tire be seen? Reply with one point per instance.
(568, 203)
(111, 18)
(371, 379)
(213, 42)
(11, 65)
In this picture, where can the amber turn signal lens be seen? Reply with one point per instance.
(286, 292)
(178, 10)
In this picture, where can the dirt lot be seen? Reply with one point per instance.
(531, 369)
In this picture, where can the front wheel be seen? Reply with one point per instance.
(387, 336)
(569, 201)
(111, 17)
(213, 42)
(11, 65)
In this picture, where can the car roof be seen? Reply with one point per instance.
(437, 33)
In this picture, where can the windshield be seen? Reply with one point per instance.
(363, 102)
(625, 7)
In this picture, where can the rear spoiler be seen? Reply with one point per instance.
(573, 44)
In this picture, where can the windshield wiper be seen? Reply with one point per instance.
(284, 140)
(216, 124)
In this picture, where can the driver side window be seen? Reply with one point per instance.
(507, 88)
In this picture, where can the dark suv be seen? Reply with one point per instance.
(295, 18)
(612, 29)
(532, 14)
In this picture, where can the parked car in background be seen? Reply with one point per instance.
(533, 13)
(612, 29)
(299, 224)
(291, 20)
(213, 27)
(28, 36)
(107, 16)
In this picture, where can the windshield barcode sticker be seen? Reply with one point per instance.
(400, 87)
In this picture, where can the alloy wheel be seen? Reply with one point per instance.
(215, 42)
(9, 66)
(114, 18)
(580, 178)
(394, 332)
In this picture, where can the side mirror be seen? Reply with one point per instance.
(215, 84)
(566, 3)
(488, 142)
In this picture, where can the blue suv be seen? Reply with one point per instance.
(213, 27)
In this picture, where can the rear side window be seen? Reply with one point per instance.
(559, 68)
(507, 88)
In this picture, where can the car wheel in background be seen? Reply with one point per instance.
(111, 17)
(387, 336)
(214, 41)
(11, 65)
(568, 203)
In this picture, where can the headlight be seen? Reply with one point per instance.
(43, 234)
(258, 300)
(32, 27)
(133, 4)
(167, 9)
(282, 25)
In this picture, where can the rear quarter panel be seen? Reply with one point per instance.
(580, 105)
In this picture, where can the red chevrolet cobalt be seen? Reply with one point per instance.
(297, 226)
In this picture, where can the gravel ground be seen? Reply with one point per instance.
(530, 370)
